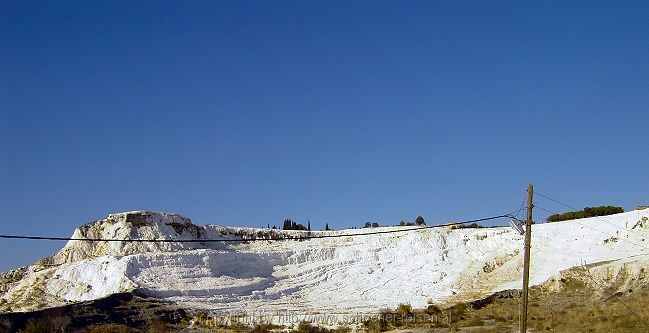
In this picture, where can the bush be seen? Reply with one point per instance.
(36, 326)
(404, 310)
(466, 226)
(433, 310)
(60, 323)
(261, 328)
(420, 221)
(474, 321)
(292, 225)
(111, 328)
(43, 262)
(305, 327)
(342, 329)
(157, 326)
(458, 312)
(586, 212)
(201, 315)
(376, 326)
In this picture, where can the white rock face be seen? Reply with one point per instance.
(341, 275)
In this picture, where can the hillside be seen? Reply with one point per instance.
(333, 275)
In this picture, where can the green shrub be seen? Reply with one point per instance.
(457, 312)
(292, 225)
(111, 328)
(404, 310)
(342, 329)
(262, 328)
(432, 309)
(201, 315)
(474, 321)
(305, 327)
(466, 226)
(586, 212)
(420, 221)
(259, 328)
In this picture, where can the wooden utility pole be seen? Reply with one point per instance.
(526, 264)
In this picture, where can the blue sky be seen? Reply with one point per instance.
(340, 112)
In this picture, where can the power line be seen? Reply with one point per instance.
(640, 319)
(553, 200)
(212, 240)
(515, 213)
(589, 227)
(573, 208)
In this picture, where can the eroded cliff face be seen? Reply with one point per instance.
(344, 275)
(128, 226)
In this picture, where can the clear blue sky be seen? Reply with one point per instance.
(247, 113)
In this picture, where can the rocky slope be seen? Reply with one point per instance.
(340, 275)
